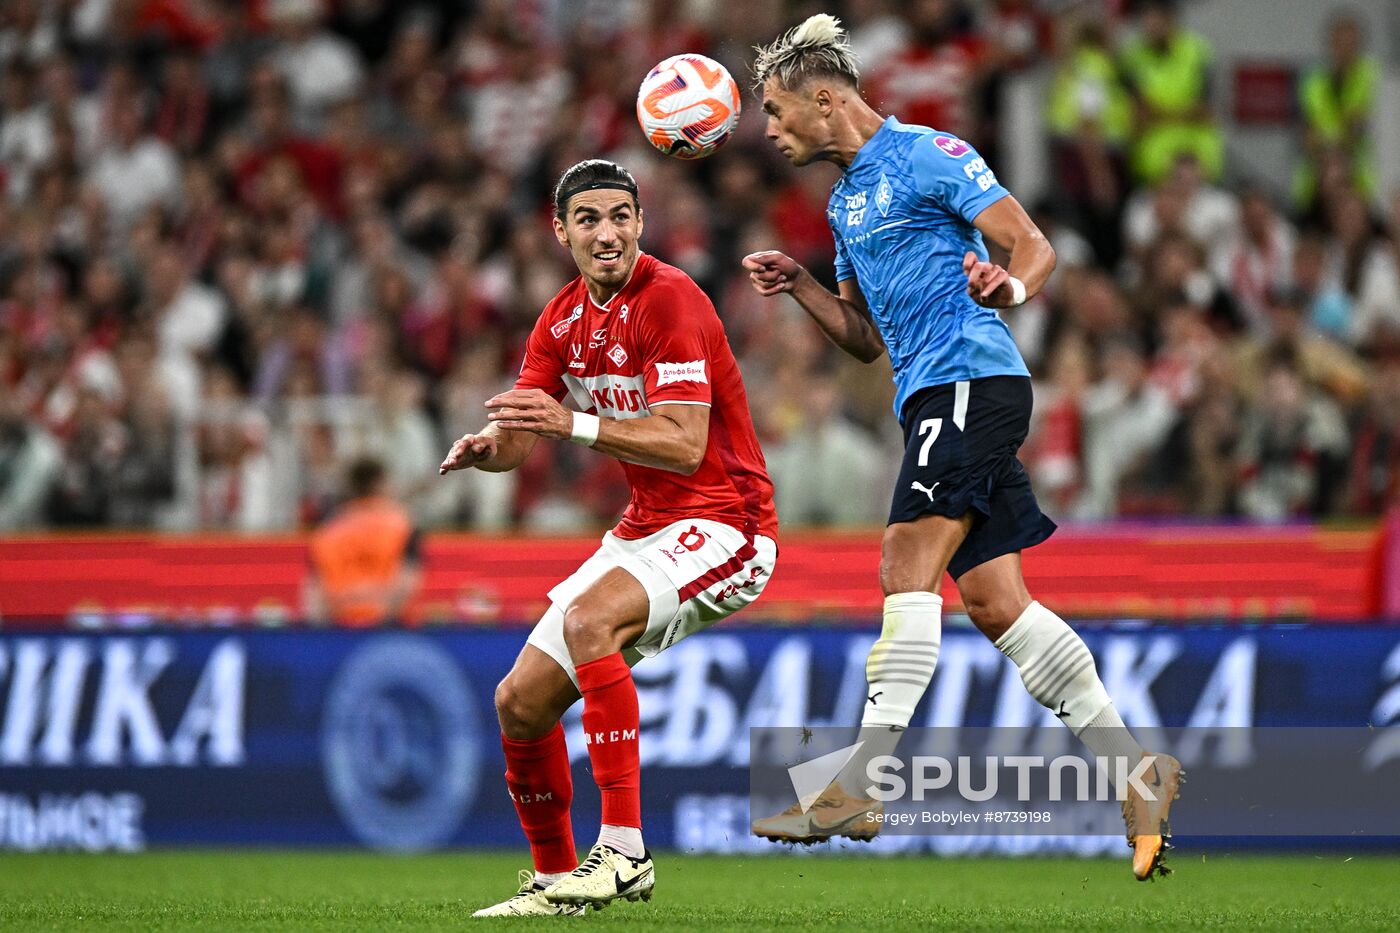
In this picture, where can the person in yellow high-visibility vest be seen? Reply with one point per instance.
(1090, 117)
(1168, 70)
(1337, 99)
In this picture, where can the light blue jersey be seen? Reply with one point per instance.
(902, 219)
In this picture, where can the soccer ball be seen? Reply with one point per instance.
(688, 105)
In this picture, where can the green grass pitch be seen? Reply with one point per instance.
(178, 890)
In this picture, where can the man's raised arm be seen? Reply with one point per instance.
(844, 318)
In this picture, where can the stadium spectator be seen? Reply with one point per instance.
(1126, 418)
(1054, 455)
(932, 80)
(1338, 99)
(876, 32)
(1320, 361)
(1374, 482)
(82, 492)
(516, 108)
(26, 137)
(236, 487)
(66, 103)
(401, 436)
(1292, 450)
(30, 460)
(1182, 203)
(182, 118)
(144, 484)
(188, 317)
(271, 134)
(1328, 306)
(827, 471)
(1207, 438)
(1091, 119)
(134, 170)
(1258, 259)
(365, 562)
(320, 67)
(1368, 268)
(28, 32)
(1168, 70)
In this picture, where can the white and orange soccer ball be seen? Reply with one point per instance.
(688, 106)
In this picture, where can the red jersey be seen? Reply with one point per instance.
(658, 341)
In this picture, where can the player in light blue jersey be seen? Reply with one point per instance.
(909, 217)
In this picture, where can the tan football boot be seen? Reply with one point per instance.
(1149, 833)
(834, 813)
(837, 813)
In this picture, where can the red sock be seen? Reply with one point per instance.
(537, 775)
(610, 722)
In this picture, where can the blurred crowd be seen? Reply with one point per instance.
(243, 242)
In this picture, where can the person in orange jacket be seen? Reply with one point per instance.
(365, 561)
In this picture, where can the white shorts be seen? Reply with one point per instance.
(695, 572)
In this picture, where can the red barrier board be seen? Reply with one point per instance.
(1131, 571)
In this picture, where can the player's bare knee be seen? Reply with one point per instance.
(901, 569)
(993, 613)
(520, 718)
(588, 631)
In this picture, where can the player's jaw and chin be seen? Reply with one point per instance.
(608, 269)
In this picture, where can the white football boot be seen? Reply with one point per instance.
(529, 902)
(605, 876)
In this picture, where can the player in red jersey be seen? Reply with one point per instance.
(639, 349)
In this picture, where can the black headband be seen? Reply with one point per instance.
(595, 186)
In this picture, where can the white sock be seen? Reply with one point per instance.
(625, 839)
(901, 663)
(546, 878)
(875, 742)
(1058, 671)
(897, 673)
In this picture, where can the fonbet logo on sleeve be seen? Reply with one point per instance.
(561, 328)
(952, 146)
(667, 373)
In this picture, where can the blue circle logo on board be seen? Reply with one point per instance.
(400, 743)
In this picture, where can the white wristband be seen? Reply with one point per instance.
(1018, 291)
(585, 430)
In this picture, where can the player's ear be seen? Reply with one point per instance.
(640, 221)
(560, 233)
(824, 100)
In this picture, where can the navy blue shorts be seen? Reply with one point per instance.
(960, 443)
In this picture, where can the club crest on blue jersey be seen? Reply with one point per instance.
(884, 196)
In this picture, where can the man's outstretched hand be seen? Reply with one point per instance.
(772, 272)
(469, 450)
